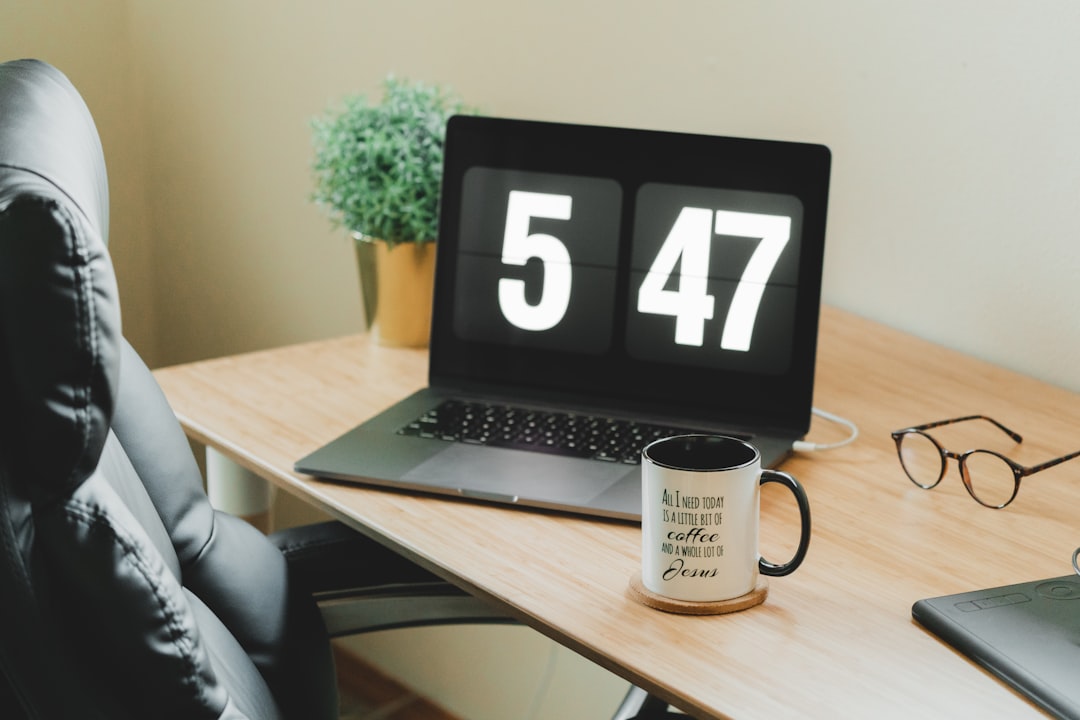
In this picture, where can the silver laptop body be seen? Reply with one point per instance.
(661, 282)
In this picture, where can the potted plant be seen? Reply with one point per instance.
(378, 168)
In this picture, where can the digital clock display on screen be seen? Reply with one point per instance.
(710, 279)
(649, 269)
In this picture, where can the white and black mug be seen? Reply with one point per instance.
(700, 515)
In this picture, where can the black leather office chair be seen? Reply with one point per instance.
(123, 594)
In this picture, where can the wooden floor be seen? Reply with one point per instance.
(369, 694)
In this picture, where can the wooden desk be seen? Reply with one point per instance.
(834, 639)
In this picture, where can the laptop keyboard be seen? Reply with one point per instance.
(560, 433)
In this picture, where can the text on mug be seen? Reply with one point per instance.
(678, 569)
(692, 502)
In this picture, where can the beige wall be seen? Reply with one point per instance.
(953, 127)
(956, 161)
(90, 42)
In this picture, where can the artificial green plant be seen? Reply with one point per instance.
(378, 166)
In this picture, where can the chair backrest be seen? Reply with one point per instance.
(122, 592)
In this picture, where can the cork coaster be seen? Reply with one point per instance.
(637, 591)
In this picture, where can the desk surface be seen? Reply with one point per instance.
(834, 639)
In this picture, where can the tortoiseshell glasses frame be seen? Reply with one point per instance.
(992, 479)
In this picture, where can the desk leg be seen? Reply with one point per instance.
(238, 491)
(640, 705)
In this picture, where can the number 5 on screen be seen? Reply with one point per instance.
(537, 260)
(519, 246)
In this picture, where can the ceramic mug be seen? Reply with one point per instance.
(700, 515)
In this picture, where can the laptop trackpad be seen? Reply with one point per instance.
(517, 473)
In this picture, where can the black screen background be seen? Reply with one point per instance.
(633, 158)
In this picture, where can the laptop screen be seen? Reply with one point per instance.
(662, 272)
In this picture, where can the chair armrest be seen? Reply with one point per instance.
(361, 586)
(386, 607)
(329, 556)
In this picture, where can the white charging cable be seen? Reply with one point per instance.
(804, 446)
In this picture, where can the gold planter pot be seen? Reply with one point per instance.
(397, 285)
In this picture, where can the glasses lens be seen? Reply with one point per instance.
(989, 479)
(922, 460)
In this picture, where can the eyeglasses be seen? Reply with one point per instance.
(990, 477)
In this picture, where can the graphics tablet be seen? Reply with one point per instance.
(1027, 635)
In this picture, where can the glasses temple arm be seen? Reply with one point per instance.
(1050, 463)
(1007, 431)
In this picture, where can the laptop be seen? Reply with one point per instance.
(596, 283)
(1028, 635)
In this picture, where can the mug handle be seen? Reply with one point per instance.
(796, 488)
